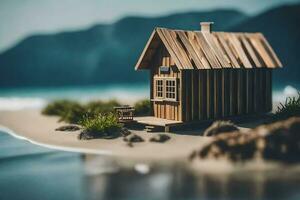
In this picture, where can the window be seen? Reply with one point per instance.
(170, 89)
(159, 88)
(166, 88)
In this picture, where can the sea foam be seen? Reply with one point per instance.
(20, 103)
(281, 95)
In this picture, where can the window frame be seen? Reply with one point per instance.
(170, 92)
(156, 88)
(166, 91)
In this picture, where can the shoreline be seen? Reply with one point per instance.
(31, 126)
(220, 167)
(55, 147)
(176, 151)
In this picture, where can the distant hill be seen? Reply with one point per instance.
(106, 54)
(281, 26)
(103, 54)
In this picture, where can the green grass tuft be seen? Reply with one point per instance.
(74, 112)
(290, 108)
(103, 124)
(59, 107)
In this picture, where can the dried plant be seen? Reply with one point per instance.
(290, 108)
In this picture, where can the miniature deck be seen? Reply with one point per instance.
(157, 122)
(169, 125)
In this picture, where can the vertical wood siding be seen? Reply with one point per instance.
(214, 93)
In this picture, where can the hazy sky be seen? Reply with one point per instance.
(20, 18)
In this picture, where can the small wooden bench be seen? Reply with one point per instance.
(125, 113)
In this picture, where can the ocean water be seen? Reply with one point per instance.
(32, 172)
(24, 98)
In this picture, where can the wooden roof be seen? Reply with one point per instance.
(205, 50)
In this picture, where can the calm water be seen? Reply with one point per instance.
(31, 172)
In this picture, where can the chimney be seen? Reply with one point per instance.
(206, 27)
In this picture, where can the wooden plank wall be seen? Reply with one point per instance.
(165, 109)
(219, 93)
(212, 93)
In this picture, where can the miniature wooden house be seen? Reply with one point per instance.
(199, 75)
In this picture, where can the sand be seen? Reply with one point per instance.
(40, 130)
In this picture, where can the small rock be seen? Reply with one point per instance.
(125, 132)
(219, 127)
(161, 138)
(133, 139)
(68, 128)
(87, 135)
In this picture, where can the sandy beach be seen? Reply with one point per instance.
(38, 129)
(31, 125)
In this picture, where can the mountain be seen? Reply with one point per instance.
(281, 27)
(107, 53)
(103, 54)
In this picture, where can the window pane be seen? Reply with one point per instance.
(159, 88)
(170, 89)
